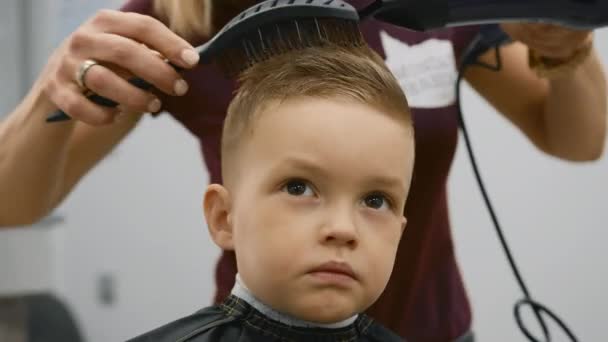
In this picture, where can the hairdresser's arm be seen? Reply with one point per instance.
(40, 163)
(564, 117)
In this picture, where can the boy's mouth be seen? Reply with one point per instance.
(334, 271)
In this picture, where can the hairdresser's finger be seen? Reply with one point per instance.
(71, 101)
(106, 83)
(547, 39)
(553, 49)
(138, 59)
(149, 31)
(557, 36)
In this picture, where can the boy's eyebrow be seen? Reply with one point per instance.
(303, 164)
(312, 167)
(388, 182)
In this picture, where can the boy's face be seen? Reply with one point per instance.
(316, 205)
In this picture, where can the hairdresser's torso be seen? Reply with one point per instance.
(425, 298)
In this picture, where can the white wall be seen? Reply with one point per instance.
(26, 261)
(137, 219)
(10, 60)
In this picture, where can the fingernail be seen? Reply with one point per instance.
(190, 57)
(180, 87)
(154, 106)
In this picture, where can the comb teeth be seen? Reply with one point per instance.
(279, 38)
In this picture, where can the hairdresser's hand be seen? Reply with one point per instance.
(549, 40)
(122, 44)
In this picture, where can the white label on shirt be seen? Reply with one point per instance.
(426, 71)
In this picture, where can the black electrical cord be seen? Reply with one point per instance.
(537, 307)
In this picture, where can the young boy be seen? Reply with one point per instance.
(317, 154)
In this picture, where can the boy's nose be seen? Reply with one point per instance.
(341, 229)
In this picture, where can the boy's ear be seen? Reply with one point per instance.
(217, 205)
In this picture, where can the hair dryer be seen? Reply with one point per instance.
(422, 15)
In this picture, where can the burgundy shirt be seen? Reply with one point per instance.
(425, 298)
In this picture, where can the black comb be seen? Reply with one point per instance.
(267, 29)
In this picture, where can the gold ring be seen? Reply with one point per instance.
(82, 72)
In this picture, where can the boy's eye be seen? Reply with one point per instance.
(298, 188)
(376, 201)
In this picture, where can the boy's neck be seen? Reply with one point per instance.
(240, 290)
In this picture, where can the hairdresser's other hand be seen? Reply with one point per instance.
(123, 44)
(552, 41)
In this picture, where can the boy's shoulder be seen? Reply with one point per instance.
(190, 328)
(235, 320)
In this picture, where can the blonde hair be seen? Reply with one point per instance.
(328, 71)
(188, 18)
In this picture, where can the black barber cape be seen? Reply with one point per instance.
(235, 320)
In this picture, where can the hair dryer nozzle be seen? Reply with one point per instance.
(422, 15)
